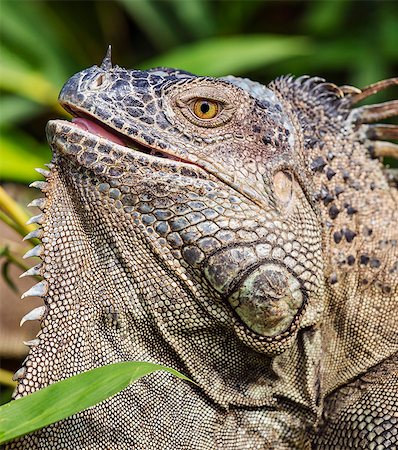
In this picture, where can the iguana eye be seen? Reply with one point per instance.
(205, 109)
(204, 106)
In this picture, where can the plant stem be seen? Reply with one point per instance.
(5, 253)
(15, 213)
(6, 378)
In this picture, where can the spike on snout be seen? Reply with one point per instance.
(36, 219)
(107, 61)
(373, 89)
(38, 203)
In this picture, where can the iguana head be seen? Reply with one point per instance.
(210, 172)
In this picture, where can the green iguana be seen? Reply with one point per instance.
(244, 235)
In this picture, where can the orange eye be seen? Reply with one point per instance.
(205, 109)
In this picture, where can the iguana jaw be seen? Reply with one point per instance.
(96, 127)
(64, 135)
(152, 154)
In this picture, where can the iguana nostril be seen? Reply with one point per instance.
(100, 80)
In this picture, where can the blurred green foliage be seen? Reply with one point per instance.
(43, 43)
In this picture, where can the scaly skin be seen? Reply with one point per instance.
(235, 249)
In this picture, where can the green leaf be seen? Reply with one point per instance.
(21, 21)
(20, 154)
(18, 77)
(70, 396)
(153, 22)
(195, 16)
(15, 109)
(387, 31)
(238, 14)
(325, 18)
(235, 54)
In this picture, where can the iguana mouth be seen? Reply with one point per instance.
(94, 126)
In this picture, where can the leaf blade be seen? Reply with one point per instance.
(233, 54)
(67, 397)
(20, 154)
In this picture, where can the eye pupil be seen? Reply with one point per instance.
(205, 107)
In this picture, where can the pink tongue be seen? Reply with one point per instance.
(92, 127)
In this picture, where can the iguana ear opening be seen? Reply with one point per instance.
(283, 186)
